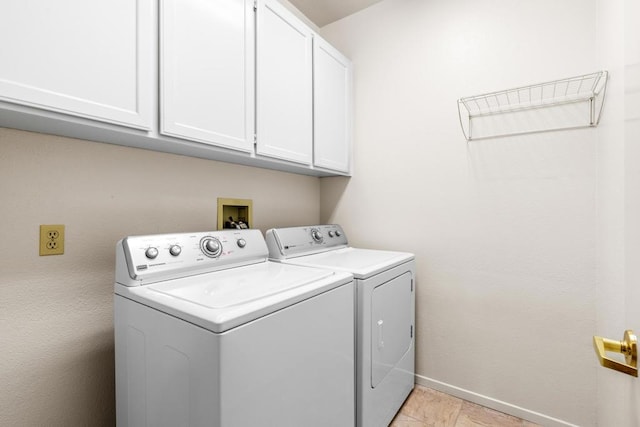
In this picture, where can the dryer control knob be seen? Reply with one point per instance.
(175, 250)
(151, 253)
(331, 233)
(211, 246)
(241, 243)
(338, 234)
(316, 235)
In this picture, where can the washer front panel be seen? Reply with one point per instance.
(293, 367)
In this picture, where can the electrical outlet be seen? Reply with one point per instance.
(51, 239)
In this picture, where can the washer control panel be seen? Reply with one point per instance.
(298, 241)
(152, 258)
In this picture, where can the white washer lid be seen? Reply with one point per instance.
(231, 288)
(362, 263)
(225, 299)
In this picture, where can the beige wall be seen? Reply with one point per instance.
(56, 333)
(504, 230)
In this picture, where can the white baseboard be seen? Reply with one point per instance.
(495, 404)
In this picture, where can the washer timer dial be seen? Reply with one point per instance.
(316, 235)
(211, 246)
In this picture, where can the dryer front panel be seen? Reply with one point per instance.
(391, 325)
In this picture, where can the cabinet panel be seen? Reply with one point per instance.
(207, 71)
(284, 87)
(90, 59)
(332, 107)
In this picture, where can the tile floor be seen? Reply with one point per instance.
(430, 408)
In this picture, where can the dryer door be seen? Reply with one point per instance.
(391, 325)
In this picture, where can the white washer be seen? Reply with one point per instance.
(208, 332)
(385, 287)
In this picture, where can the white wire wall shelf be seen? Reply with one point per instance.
(570, 103)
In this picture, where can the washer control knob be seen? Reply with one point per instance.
(151, 252)
(241, 243)
(211, 246)
(316, 235)
(175, 250)
(338, 234)
(331, 233)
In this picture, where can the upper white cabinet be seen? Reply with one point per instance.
(240, 81)
(331, 107)
(91, 59)
(284, 84)
(207, 68)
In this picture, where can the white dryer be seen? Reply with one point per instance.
(208, 332)
(385, 315)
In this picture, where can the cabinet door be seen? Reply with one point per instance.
(284, 104)
(207, 71)
(91, 59)
(331, 107)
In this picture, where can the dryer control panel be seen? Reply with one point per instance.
(298, 241)
(148, 259)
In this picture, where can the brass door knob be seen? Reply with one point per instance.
(628, 346)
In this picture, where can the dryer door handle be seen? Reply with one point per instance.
(380, 333)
